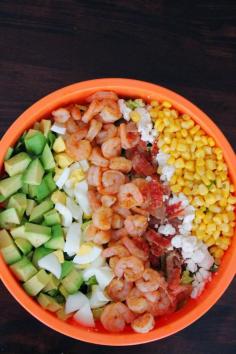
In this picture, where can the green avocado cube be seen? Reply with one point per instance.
(73, 281)
(35, 284)
(35, 142)
(42, 191)
(37, 235)
(57, 241)
(52, 284)
(39, 211)
(17, 164)
(19, 202)
(52, 217)
(39, 253)
(8, 249)
(50, 182)
(30, 206)
(10, 185)
(18, 232)
(34, 173)
(9, 153)
(47, 158)
(49, 303)
(24, 245)
(23, 269)
(9, 217)
(66, 268)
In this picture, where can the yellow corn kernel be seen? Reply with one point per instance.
(230, 233)
(166, 121)
(210, 199)
(176, 188)
(58, 197)
(223, 202)
(223, 242)
(220, 166)
(202, 227)
(173, 179)
(211, 141)
(194, 130)
(182, 147)
(214, 209)
(197, 177)
(173, 144)
(232, 189)
(217, 219)
(59, 145)
(202, 189)
(200, 170)
(193, 147)
(231, 200)
(218, 182)
(154, 103)
(185, 116)
(189, 140)
(166, 104)
(199, 213)
(216, 234)
(188, 124)
(153, 113)
(218, 253)
(224, 227)
(184, 133)
(175, 154)
(186, 155)
(135, 116)
(212, 188)
(159, 125)
(204, 139)
(188, 183)
(210, 241)
(200, 162)
(229, 207)
(63, 160)
(231, 215)
(186, 190)
(208, 150)
(199, 153)
(211, 228)
(167, 139)
(224, 218)
(181, 181)
(179, 172)
(219, 157)
(211, 164)
(189, 165)
(179, 163)
(208, 217)
(217, 150)
(165, 148)
(197, 201)
(200, 234)
(206, 181)
(210, 175)
(171, 161)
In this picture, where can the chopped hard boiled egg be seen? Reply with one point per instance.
(88, 252)
(73, 239)
(59, 145)
(63, 160)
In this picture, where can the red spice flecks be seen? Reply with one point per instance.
(174, 210)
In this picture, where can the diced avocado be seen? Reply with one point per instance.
(32, 190)
(8, 249)
(47, 158)
(30, 206)
(50, 182)
(25, 188)
(10, 185)
(18, 201)
(66, 268)
(39, 211)
(40, 253)
(23, 269)
(30, 255)
(34, 173)
(60, 255)
(42, 191)
(49, 303)
(45, 126)
(73, 281)
(52, 217)
(24, 245)
(37, 235)
(63, 291)
(51, 138)
(57, 241)
(91, 281)
(18, 232)
(9, 153)
(35, 284)
(62, 315)
(17, 164)
(35, 142)
(52, 284)
(9, 217)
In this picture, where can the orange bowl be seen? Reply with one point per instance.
(220, 281)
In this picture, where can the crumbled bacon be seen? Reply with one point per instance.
(173, 269)
(174, 210)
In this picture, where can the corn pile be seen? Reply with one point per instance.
(201, 174)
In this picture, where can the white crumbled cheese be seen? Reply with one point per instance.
(165, 197)
(162, 158)
(125, 110)
(145, 125)
(167, 173)
(58, 128)
(167, 230)
(63, 178)
(177, 241)
(148, 178)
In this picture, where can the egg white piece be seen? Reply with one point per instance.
(85, 316)
(73, 239)
(87, 254)
(75, 302)
(51, 264)
(65, 214)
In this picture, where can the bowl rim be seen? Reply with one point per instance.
(149, 91)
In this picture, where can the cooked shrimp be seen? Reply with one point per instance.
(111, 181)
(118, 234)
(94, 176)
(120, 210)
(112, 261)
(102, 218)
(75, 112)
(129, 135)
(94, 199)
(118, 289)
(97, 159)
(100, 237)
(108, 131)
(140, 211)
(131, 267)
(115, 316)
(61, 115)
(108, 200)
(78, 150)
(129, 196)
(151, 280)
(143, 323)
(163, 306)
(94, 129)
(71, 126)
(117, 221)
(121, 164)
(136, 225)
(136, 301)
(101, 95)
(115, 250)
(110, 112)
(94, 108)
(111, 147)
(137, 247)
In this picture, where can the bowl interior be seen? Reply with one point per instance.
(194, 308)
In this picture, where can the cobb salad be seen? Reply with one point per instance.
(115, 210)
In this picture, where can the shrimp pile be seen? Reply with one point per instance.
(126, 198)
